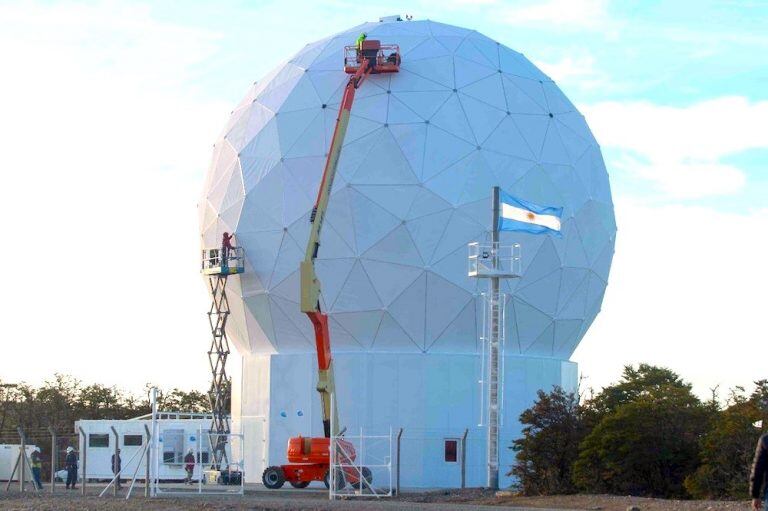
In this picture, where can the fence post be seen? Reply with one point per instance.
(13, 473)
(149, 457)
(113, 464)
(397, 480)
(23, 459)
(53, 458)
(464, 458)
(85, 460)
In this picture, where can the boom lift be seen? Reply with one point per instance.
(309, 458)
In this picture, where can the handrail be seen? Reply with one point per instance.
(211, 259)
(176, 415)
(387, 58)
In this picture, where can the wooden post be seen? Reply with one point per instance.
(148, 458)
(85, 460)
(23, 458)
(397, 480)
(54, 453)
(464, 459)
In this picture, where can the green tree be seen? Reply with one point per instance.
(729, 445)
(179, 400)
(645, 438)
(645, 380)
(545, 454)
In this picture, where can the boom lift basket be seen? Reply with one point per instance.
(386, 57)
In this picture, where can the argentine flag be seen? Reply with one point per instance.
(519, 215)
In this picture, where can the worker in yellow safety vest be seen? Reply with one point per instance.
(37, 465)
(360, 40)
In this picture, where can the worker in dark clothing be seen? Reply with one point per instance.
(37, 464)
(226, 246)
(189, 466)
(117, 465)
(70, 463)
(757, 478)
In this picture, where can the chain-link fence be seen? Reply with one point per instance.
(361, 464)
(440, 458)
(43, 466)
(183, 463)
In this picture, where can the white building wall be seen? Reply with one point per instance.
(250, 410)
(432, 396)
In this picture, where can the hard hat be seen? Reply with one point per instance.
(189, 451)
(70, 449)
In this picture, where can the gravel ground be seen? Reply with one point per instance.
(309, 500)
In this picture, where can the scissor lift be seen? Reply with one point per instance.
(218, 264)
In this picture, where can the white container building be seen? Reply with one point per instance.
(9, 453)
(178, 433)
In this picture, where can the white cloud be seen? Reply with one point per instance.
(681, 148)
(105, 141)
(687, 292)
(563, 13)
(568, 67)
(577, 71)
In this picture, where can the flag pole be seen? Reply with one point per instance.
(493, 350)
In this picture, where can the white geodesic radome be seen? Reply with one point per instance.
(423, 149)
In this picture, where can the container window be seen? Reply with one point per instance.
(173, 446)
(133, 440)
(451, 450)
(98, 440)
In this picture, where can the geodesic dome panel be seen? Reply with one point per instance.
(423, 150)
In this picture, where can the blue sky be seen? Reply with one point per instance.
(110, 110)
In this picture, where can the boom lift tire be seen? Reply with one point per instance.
(273, 478)
(299, 484)
(367, 477)
(339, 480)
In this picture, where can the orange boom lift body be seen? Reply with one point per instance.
(309, 458)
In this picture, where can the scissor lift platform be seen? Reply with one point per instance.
(214, 264)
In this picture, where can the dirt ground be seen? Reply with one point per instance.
(575, 502)
(315, 500)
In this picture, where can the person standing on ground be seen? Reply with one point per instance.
(117, 465)
(757, 478)
(37, 465)
(70, 463)
(189, 466)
